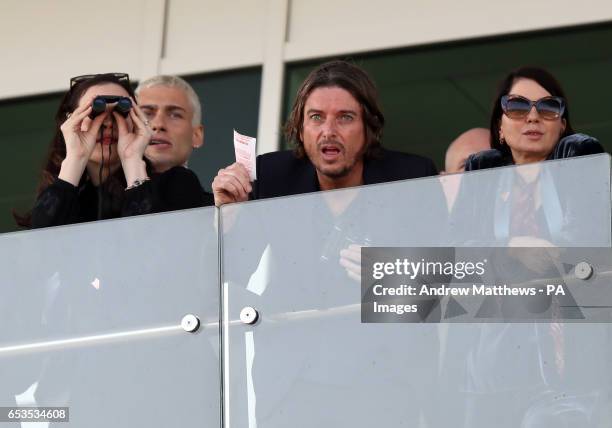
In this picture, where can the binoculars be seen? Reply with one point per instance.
(122, 105)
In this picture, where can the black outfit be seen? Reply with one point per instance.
(568, 147)
(70, 307)
(305, 236)
(283, 174)
(513, 370)
(151, 273)
(503, 214)
(62, 203)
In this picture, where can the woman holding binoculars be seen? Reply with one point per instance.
(95, 168)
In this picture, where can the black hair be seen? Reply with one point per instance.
(542, 78)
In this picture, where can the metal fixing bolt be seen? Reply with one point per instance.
(583, 270)
(249, 315)
(190, 323)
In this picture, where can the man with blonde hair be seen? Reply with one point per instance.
(174, 113)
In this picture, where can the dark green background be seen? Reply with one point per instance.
(429, 95)
(26, 129)
(229, 100)
(432, 94)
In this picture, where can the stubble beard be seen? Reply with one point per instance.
(336, 172)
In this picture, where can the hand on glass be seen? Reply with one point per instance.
(350, 260)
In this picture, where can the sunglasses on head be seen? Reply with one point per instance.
(517, 107)
(122, 78)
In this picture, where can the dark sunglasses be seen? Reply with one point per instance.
(517, 107)
(122, 78)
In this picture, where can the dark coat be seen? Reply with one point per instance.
(312, 359)
(62, 203)
(568, 147)
(283, 174)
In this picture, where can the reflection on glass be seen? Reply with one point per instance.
(531, 375)
(310, 360)
(92, 314)
(314, 362)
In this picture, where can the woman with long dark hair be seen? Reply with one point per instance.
(519, 372)
(530, 122)
(95, 168)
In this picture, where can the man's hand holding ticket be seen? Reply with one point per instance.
(233, 184)
(244, 148)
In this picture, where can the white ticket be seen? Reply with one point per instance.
(244, 147)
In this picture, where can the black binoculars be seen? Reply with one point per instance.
(98, 106)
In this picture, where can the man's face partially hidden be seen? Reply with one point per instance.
(334, 137)
(170, 115)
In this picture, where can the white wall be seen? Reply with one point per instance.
(45, 42)
(213, 35)
(324, 28)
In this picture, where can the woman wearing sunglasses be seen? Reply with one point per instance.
(95, 167)
(523, 373)
(530, 122)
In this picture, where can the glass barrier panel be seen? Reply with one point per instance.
(297, 354)
(98, 318)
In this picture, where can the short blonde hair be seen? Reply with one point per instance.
(176, 82)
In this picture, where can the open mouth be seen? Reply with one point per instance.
(330, 152)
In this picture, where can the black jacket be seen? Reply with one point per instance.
(481, 215)
(62, 203)
(283, 174)
(568, 147)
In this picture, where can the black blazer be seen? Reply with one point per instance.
(283, 174)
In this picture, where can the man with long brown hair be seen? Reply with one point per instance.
(336, 124)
